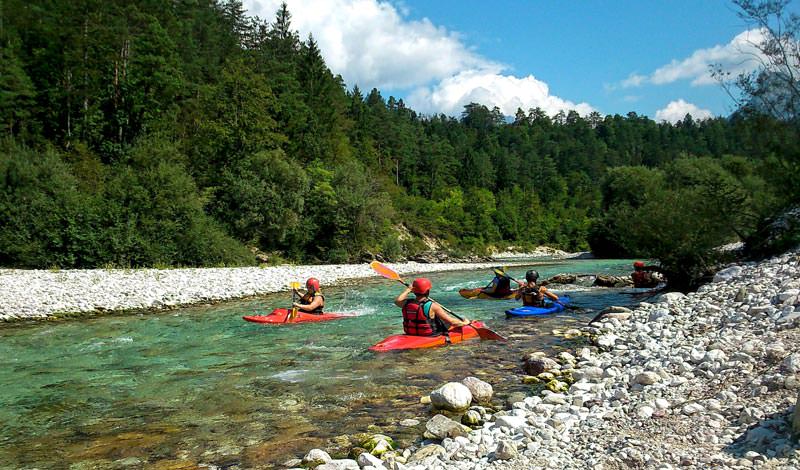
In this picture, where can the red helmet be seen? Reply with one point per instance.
(421, 286)
(638, 264)
(312, 284)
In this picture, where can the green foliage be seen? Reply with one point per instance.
(151, 133)
(679, 215)
(261, 199)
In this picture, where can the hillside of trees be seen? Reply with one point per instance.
(138, 133)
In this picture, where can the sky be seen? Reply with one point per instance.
(650, 57)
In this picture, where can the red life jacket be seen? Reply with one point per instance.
(643, 279)
(417, 320)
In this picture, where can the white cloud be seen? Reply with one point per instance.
(739, 55)
(372, 44)
(677, 110)
(504, 91)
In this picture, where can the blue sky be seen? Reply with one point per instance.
(613, 57)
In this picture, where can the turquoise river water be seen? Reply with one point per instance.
(200, 385)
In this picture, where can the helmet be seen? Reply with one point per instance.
(421, 286)
(638, 264)
(531, 276)
(312, 284)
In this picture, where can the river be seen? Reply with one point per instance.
(200, 385)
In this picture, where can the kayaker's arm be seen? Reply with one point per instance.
(546, 292)
(438, 312)
(401, 299)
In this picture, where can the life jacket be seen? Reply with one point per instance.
(417, 319)
(308, 297)
(502, 286)
(532, 297)
(643, 279)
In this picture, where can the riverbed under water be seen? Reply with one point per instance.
(200, 385)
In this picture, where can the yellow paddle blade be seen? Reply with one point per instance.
(499, 271)
(384, 271)
(294, 285)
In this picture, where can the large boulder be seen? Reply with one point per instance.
(451, 396)
(481, 391)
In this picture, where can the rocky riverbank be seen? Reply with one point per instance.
(708, 380)
(43, 294)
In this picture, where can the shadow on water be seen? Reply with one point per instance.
(201, 385)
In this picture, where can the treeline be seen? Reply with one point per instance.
(185, 132)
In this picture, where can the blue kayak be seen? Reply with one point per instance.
(550, 307)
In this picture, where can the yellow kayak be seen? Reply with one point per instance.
(477, 294)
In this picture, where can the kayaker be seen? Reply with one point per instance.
(645, 276)
(421, 315)
(499, 287)
(312, 301)
(533, 295)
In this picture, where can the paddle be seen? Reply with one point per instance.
(292, 312)
(385, 271)
(553, 297)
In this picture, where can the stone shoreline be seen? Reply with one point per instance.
(48, 294)
(706, 380)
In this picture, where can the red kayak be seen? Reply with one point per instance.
(278, 316)
(398, 342)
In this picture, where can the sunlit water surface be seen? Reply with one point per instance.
(202, 385)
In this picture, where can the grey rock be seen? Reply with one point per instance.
(506, 451)
(728, 274)
(647, 378)
(791, 364)
(511, 422)
(430, 450)
(671, 297)
(340, 464)
(440, 427)
(535, 365)
(796, 418)
(481, 391)
(366, 459)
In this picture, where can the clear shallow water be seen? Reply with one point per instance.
(202, 385)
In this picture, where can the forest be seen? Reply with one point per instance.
(187, 133)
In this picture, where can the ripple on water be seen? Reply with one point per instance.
(291, 376)
(240, 389)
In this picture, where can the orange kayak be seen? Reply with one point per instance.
(477, 294)
(278, 316)
(398, 342)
